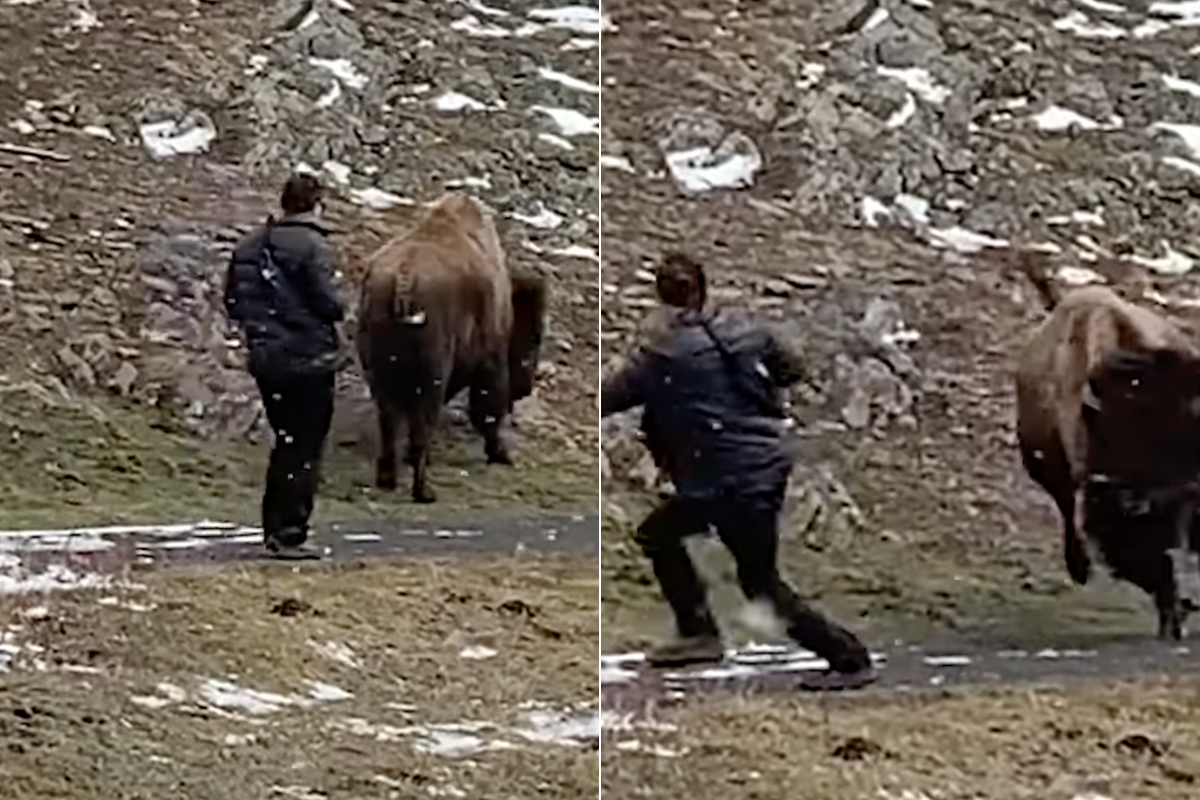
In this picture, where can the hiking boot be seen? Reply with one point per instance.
(290, 543)
(284, 537)
(687, 650)
(834, 681)
(294, 552)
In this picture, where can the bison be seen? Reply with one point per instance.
(1108, 401)
(439, 312)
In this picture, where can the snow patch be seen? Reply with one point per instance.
(477, 653)
(192, 134)
(559, 727)
(556, 140)
(581, 19)
(568, 81)
(86, 19)
(872, 211)
(577, 251)
(100, 132)
(1177, 84)
(378, 199)
(451, 102)
(1182, 164)
(1190, 134)
(1171, 263)
(335, 651)
(963, 240)
(471, 25)
(906, 112)
(1082, 26)
(919, 82)
(338, 171)
(947, 661)
(1058, 118)
(877, 18)
(1186, 12)
(362, 537)
(542, 218)
(483, 8)
(617, 162)
(16, 579)
(343, 69)
(917, 208)
(731, 166)
(327, 692)
(1079, 276)
(224, 694)
(570, 122)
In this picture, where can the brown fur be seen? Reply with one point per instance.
(1085, 329)
(435, 316)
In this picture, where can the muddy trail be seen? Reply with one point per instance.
(42, 560)
(628, 685)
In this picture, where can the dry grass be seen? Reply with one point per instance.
(1131, 740)
(78, 735)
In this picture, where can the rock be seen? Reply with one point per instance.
(124, 378)
(806, 281)
(820, 511)
(77, 368)
(777, 288)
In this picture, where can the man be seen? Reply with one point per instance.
(714, 422)
(278, 290)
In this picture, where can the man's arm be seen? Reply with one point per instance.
(316, 280)
(628, 387)
(783, 362)
(229, 295)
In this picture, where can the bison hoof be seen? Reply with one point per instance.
(500, 457)
(1080, 569)
(1170, 632)
(385, 481)
(424, 495)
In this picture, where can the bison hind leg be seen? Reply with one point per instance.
(385, 464)
(423, 421)
(488, 407)
(1171, 612)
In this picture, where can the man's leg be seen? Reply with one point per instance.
(284, 401)
(661, 537)
(272, 392)
(749, 528)
(313, 431)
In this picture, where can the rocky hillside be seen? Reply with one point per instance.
(855, 170)
(139, 139)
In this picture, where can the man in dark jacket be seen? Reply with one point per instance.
(278, 290)
(713, 421)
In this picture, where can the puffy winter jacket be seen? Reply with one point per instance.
(713, 415)
(279, 290)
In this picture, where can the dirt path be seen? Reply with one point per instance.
(629, 686)
(35, 559)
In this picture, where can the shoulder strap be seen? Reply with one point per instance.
(736, 376)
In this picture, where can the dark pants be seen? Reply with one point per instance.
(299, 410)
(748, 527)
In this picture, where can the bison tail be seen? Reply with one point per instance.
(1034, 267)
(406, 309)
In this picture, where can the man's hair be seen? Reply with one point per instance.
(301, 193)
(680, 281)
